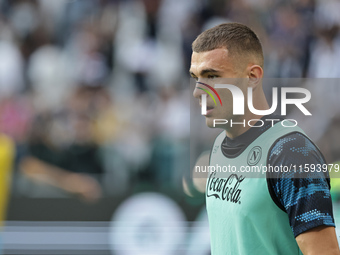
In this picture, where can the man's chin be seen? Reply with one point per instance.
(210, 122)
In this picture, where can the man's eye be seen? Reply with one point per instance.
(212, 76)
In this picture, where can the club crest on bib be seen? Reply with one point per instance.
(254, 156)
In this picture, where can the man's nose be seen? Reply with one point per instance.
(198, 92)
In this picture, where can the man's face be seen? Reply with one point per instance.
(211, 67)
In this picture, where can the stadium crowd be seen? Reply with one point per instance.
(95, 92)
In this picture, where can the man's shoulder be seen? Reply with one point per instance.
(294, 145)
(297, 153)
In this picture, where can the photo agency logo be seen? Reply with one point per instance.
(239, 103)
(204, 97)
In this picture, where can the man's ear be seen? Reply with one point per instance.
(255, 74)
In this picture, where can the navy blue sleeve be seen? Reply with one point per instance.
(306, 199)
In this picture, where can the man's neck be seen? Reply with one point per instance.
(240, 125)
(260, 104)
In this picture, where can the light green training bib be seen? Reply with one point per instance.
(243, 218)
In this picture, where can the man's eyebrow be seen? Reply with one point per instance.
(205, 71)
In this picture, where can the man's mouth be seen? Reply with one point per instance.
(208, 107)
(208, 111)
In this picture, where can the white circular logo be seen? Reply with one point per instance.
(147, 224)
(254, 156)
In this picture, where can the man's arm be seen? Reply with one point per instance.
(304, 197)
(319, 241)
(198, 179)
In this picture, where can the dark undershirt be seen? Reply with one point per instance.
(307, 201)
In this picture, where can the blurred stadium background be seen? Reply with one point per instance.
(94, 96)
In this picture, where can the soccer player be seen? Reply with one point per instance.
(281, 215)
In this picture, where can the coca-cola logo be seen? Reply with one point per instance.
(226, 189)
